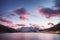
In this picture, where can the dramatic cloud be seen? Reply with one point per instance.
(23, 18)
(22, 12)
(49, 12)
(4, 19)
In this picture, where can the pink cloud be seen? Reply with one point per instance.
(23, 18)
(48, 12)
(4, 19)
(22, 12)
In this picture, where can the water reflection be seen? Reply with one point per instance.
(29, 36)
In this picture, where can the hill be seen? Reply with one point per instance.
(5, 29)
(54, 28)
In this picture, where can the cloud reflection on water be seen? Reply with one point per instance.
(29, 36)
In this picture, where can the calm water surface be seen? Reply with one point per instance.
(29, 36)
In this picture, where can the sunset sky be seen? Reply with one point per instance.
(40, 12)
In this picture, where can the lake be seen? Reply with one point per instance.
(29, 36)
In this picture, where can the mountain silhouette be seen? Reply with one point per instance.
(6, 29)
(54, 28)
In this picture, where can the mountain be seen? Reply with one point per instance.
(55, 28)
(5, 29)
(28, 29)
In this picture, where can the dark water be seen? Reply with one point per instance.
(29, 36)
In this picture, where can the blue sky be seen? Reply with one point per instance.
(30, 6)
(12, 4)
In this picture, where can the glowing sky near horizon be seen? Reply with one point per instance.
(9, 6)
